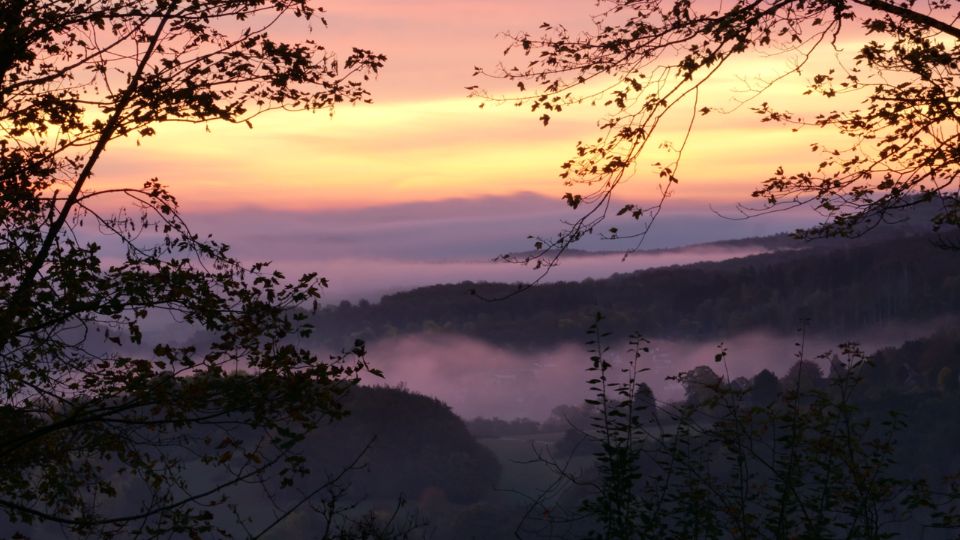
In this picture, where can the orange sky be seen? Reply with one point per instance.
(423, 139)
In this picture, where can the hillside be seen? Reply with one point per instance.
(839, 285)
(414, 444)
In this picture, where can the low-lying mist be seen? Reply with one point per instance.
(368, 252)
(356, 278)
(476, 378)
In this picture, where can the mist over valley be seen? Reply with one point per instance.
(368, 252)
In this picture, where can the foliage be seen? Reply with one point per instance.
(640, 61)
(108, 425)
(617, 423)
(812, 464)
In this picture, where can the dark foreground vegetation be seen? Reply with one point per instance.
(844, 445)
(836, 445)
(368, 473)
(840, 445)
(805, 456)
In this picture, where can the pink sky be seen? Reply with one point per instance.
(423, 139)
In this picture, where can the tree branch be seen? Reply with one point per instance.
(912, 16)
(20, 300)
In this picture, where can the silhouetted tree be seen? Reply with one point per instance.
(764, 388)
(803, 376)
(837, 368)
(640, 61)
(700, 385)
(947, 381)
(106, 425)
(645, 405)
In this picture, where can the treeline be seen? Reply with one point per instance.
(922, 367)
(840, 286)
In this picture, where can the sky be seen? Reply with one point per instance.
(423, 138)
(305, 189)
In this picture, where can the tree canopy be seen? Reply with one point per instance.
(106, 422)
(642, 60)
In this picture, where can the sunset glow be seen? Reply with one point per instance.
(423, 139)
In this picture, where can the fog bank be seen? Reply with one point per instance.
(354, 278)
(368, 252)
(480, 379)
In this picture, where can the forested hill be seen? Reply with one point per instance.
(840, 286)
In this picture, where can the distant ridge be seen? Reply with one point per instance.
(772, 242)
(840, 285)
